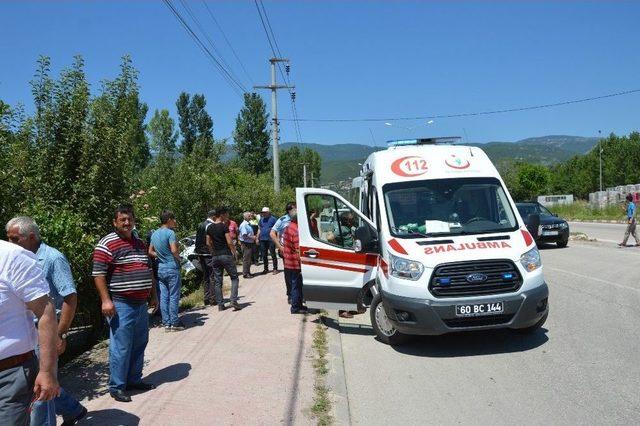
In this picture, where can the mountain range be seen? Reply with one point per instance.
(340, 161)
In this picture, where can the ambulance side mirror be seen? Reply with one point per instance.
(366, 240)
(533, 225)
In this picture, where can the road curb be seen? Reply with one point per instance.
(336, 379)
(596, 221)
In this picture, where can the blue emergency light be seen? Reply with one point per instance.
(448, 140)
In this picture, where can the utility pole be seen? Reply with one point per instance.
(312, 180)
(274, 114)
(600, 152)
(304, 174)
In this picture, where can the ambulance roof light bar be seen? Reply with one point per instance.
(425, 141)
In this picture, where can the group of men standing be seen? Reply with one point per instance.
(36, 284)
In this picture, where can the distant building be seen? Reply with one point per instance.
(550, 200)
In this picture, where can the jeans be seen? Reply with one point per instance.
(218, 265)
(296, 289)
(247, 256)
(65, 405)
(129, 334)
(170, 283)
(287, 280)
(206, 272)
(265, 248)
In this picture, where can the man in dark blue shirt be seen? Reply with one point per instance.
(265, 224)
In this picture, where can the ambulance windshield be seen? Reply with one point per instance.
(442, 207)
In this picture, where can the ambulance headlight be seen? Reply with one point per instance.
(405, 268)
(531, 260)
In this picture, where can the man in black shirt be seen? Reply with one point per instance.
(223, 255)
(204, 256)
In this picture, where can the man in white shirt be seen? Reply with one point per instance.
(23, 293)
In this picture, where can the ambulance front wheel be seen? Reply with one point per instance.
(384, 329)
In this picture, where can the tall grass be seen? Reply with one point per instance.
(580, 210)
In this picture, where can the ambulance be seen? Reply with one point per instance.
(435, 246)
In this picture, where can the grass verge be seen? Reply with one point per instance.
(192, 300)
(580, 210)
(321, 401)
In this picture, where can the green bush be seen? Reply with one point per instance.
(64, 230)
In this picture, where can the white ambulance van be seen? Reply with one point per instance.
(437, 246)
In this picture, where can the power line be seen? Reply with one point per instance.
(275, 49)
(237, 87)
(466, 114)
(228, 67)
(226, 39)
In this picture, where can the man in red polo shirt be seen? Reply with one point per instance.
(124, 280)
(291, 255)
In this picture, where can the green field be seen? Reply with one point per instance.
(580, 210)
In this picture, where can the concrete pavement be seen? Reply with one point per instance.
(248, 367)
(581, 368)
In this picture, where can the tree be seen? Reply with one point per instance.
(526, 181)
(116, 150)
(187, 129)
(162, 134)
(196, 127)
(292, 169)
(206, 147)
(251, 135)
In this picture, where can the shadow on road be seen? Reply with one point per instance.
(111, 417)
(475, 343)
(347, 328)
(550, 246)
(194, 319)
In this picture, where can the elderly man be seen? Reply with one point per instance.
(248, 241)
(124, 280)
(24, 232)
(267, 246)
(23, 293)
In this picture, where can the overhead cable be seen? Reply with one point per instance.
(235, 85)
(467, 114)
(275, 50)
(226, 39)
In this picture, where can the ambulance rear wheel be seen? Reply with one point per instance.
(384, 329)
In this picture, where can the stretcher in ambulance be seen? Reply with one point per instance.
(436, 246)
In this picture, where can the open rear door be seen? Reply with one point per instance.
(333, 272)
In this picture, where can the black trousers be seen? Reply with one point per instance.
(265, 248)
(209, 295)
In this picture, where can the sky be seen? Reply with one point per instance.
(357, 59)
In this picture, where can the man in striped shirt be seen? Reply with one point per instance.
(292, 268)
(124, 280)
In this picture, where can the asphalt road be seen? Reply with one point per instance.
(604, 232)
(583, 367)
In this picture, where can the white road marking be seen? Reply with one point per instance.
(586, 277)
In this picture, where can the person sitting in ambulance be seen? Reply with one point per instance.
(343, 233)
